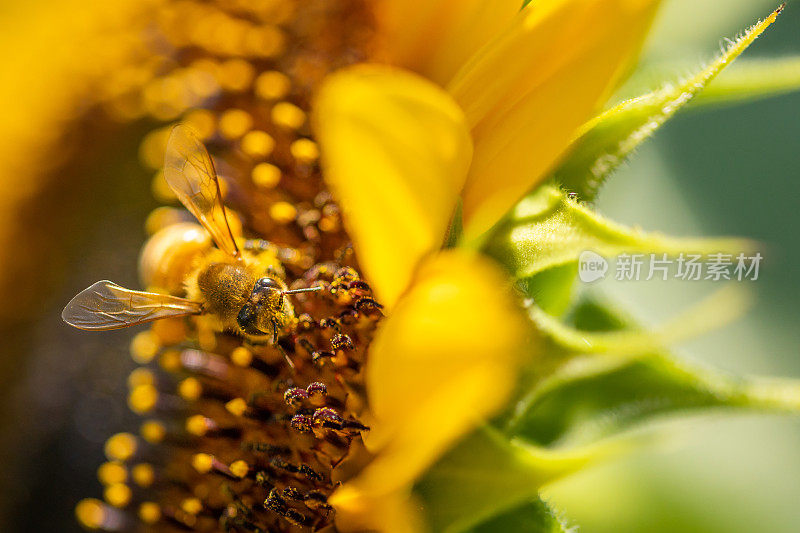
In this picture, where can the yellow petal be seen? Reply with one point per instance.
(526, 92)
(436, 37)
(395, 152)
(442, 362)
(396, 512)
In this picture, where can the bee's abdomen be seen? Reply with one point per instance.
(170, 255)
(225, 288)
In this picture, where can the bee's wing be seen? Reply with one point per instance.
(190, 173)
(106, 305)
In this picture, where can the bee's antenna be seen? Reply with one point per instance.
(295, 291)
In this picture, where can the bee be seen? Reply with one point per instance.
(236, 290)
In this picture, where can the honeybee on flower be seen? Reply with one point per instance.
(241, 290)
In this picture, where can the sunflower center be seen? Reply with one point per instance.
(236, 433)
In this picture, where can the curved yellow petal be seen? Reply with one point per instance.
(436, 37)
(358, 511)
(527, 92)
(395, 152)
(443, 361)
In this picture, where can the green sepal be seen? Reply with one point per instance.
(487, 474)
(752, 80)
(719, 309)
(606, 142)
(552, 288)
(548, 229)
(533, 516)
(592, 397)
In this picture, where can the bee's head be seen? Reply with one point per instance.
(267, 310)
(264, 309)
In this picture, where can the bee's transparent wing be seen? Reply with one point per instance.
(190, 173)
(106, 305)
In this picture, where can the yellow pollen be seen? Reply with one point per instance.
(192, 505)
(203, 462)
(282, 212)
(239, 468)
(161, 217)
(266, 41)
(153, 431)
(160, 188)
(164, 97)
(90, 513)
(142, 399)
(143, 474)
(170, 360)
(304, 150)
(266, 175)
(206, 338)
(234, 123)
(169, 331)
(141, 376)
(149, 512)
(144, 347)
(120, 447)
(153, 148)
(206, 66)
(202, 121)
(241, 356)
(237, 406)
(200, 79)
(288, 115)
(236, 75)
(190, 389)
(112, 472)
(197, 425)
(118, 495)
(272, 85)
(257, 144)
(328, 224)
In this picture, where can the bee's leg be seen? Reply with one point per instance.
(278, 346)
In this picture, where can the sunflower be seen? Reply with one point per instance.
(428, 168)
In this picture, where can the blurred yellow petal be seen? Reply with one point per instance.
(395, 512)
(435, 38)
(527, 91)
(442, 362)
(396, 152)
(59, 55)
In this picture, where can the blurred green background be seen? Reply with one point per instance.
(724, 171)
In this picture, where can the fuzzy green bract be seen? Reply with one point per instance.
(608, 140)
